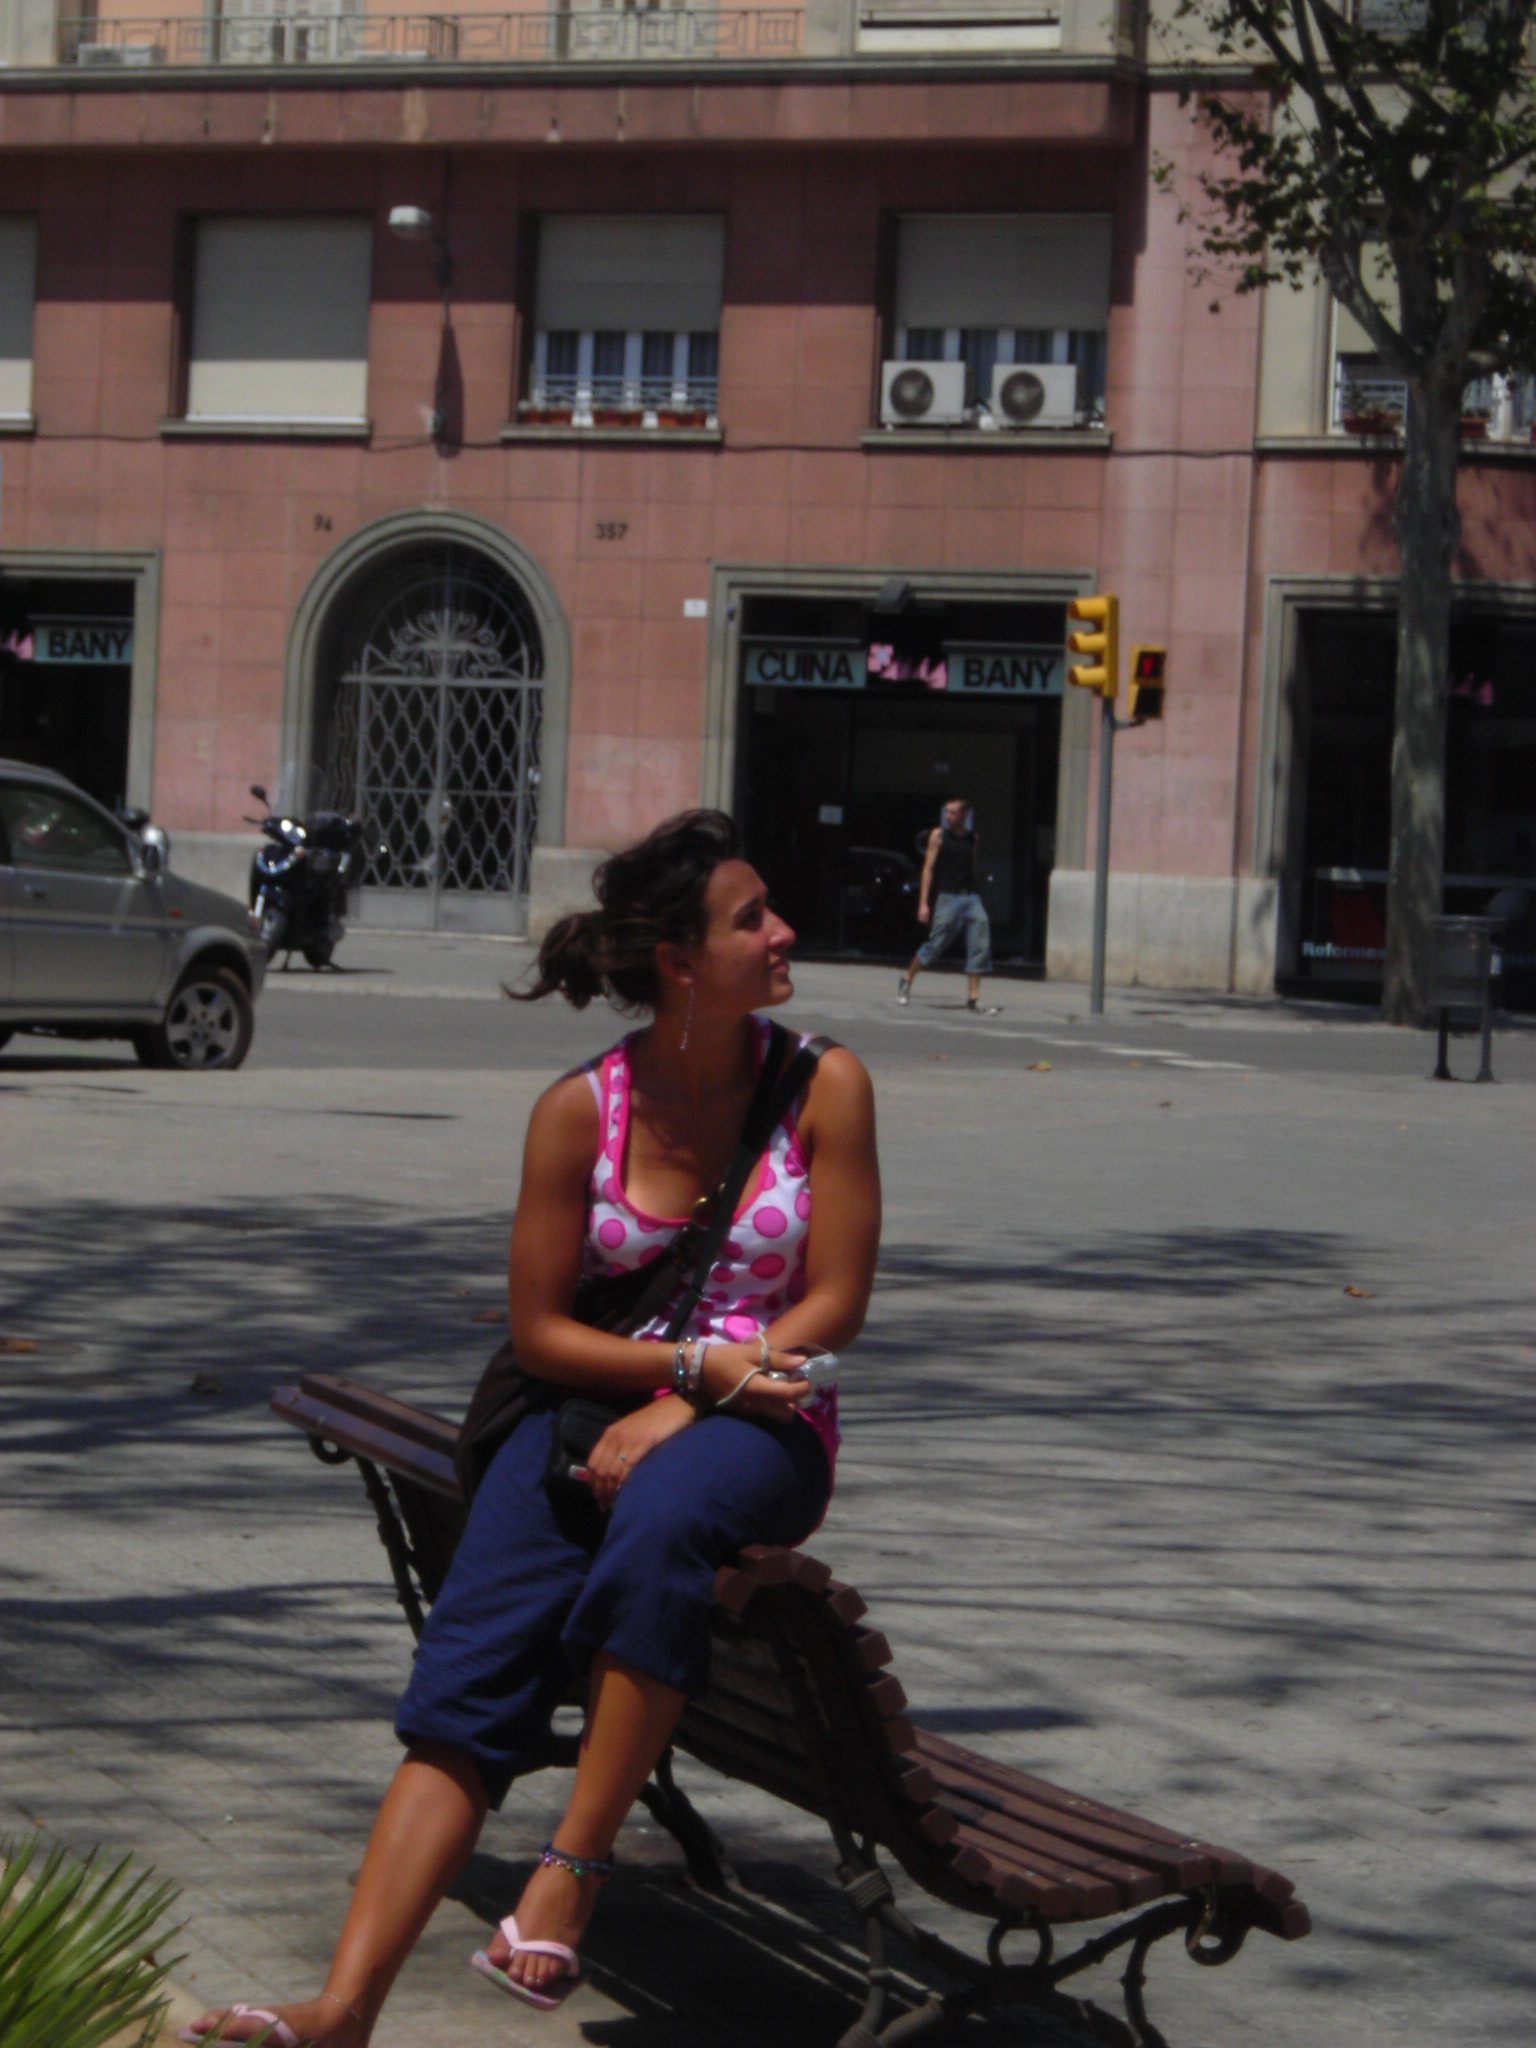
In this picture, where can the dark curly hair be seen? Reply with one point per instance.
(648, 895)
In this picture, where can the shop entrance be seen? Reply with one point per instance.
(1346, 667)
(66, 675)
(857, 726)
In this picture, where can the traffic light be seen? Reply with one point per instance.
(1149, 669)
(1101, 670)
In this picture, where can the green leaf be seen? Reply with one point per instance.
(78, 1944)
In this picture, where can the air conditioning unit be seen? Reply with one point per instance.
(1034, 394)
(922, 394)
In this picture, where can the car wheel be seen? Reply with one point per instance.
(319, 954)
(207, 1023)
(273, 929)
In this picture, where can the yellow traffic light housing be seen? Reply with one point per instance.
(1101, 670)
(1147, 681)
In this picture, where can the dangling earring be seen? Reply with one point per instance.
(682, 1044)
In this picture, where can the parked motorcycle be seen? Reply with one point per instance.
(300, 882)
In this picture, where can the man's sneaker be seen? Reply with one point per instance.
(979, 1009)
(903, 990)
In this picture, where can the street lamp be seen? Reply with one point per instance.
(415, 224)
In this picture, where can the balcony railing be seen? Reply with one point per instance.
(591, 34)
(1367, 400)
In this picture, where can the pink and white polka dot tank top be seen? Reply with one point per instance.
(761, 1267)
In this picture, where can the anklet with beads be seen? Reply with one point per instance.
(600, 1867)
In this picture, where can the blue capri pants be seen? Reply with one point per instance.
(526, 1602)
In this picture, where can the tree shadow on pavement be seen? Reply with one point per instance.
(1187, 1449)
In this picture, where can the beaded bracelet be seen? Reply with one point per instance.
(688, 1366)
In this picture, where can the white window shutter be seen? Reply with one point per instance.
(18, 287)
(1003, 270)
(280, 320)
(606, 272)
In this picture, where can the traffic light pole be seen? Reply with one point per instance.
(1108, 724)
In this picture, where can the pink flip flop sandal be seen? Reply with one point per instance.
(278, 2030)
(545, 2000)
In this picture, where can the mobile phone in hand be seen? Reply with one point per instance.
(820, 1368)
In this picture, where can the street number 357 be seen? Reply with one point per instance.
(612, 529)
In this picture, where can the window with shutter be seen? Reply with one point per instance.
(1368, 398)
(280, 321)
(18, 273)
(627, 319)
(1000, 289)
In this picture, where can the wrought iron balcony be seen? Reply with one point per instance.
(562, 36)
(1368, 400)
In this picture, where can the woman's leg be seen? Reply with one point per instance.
(643, 1617)
(488, 1672)
(630, 1719)
(429, 1822)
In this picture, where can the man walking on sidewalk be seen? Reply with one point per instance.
(947, 896)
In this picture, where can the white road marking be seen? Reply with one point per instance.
(1164, 1055)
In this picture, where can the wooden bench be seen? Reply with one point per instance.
(802, 1704)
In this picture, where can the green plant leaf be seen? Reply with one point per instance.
(78, 1943)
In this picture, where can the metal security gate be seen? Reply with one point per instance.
(434, 738)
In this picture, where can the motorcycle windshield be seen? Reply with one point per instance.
(301, 790)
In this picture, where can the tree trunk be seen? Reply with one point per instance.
(1428, 527)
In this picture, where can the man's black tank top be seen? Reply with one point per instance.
(954, 867)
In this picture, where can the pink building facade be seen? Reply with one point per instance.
(516, 573)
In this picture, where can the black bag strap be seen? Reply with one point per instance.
(777, 1087)
(778, 1084)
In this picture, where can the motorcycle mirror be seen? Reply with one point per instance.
(258, 792)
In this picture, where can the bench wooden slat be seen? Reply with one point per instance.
(937, 1752)
(1180, 1866)
(351, 1431)
(1136, 1883)
(419, 1425)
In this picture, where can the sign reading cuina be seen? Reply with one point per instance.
(83, 643)
(818, 665)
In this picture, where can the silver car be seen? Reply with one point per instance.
(99, 940)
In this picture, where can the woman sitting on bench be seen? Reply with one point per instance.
(617, 1154)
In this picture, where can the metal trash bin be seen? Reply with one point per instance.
(1461, 978)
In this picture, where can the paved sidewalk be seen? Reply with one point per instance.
(1144, 1498)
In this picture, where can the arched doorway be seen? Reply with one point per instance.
(427, 683)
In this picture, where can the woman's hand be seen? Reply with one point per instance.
(624, 1443)
(727, 1365)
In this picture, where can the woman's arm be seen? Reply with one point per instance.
(837, 1129)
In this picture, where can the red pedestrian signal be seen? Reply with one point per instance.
(1149, 674)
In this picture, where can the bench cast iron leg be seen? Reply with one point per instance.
(671, 1808)
(392, 1536)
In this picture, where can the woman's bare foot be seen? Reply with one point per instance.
(555, 1906)
(324, 2022)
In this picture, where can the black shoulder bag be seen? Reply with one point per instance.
(626, 1301)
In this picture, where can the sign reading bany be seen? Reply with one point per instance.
(83, 643)
(1006, 671)
(805, 664)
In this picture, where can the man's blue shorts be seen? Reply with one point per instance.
(949, 914)
(526, 1603)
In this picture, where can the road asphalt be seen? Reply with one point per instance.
(1187, 1462)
